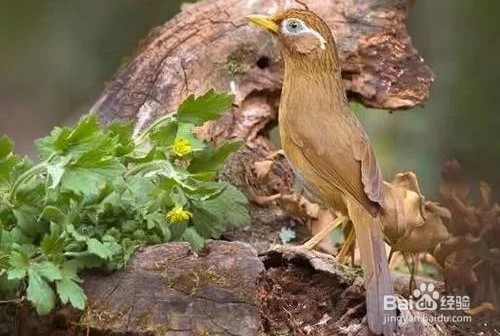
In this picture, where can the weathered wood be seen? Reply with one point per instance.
(210, 44)
(228, 290)
(168, 290)
(225, 290)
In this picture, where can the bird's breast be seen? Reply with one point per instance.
(305, 172)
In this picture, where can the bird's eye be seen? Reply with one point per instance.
(294, 26)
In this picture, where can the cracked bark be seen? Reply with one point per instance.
(212, 45)
(212, 292)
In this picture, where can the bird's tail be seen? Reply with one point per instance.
(378, 282)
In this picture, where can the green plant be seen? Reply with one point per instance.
(99, 193)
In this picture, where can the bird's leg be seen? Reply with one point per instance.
(324, 232)
(347, 247)
(274, 156)
(414, 271)
(412, 264)
(391, 254)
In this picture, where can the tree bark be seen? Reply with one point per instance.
(210, 45)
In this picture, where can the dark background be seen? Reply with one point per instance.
(56, 55)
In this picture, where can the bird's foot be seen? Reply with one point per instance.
(275, 155)
(311, 243)
(347, 247)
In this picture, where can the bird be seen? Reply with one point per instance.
(328, 148)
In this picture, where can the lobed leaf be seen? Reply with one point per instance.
(39, 293)
(212, 159)
(209, 106)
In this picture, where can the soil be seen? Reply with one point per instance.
(298, 301)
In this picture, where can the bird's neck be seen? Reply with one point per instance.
(314, 86)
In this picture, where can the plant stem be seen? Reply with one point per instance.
(19, 300)
(27, 175)
(143, 136)
(24, 177)
(77, 254)
(144, 167)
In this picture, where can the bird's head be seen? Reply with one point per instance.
(302, 34)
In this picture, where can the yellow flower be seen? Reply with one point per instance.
(181, 147)
(178, 214)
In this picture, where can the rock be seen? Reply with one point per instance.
(169, 290)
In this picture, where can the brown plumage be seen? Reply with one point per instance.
(327, 146)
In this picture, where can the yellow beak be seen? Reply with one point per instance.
(264, 22)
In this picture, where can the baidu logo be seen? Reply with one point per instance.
(427, 298)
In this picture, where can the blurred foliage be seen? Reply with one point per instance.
(57, 55)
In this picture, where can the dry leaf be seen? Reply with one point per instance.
(470, 258)
(263, 168)
(485, 307)
(411, 224)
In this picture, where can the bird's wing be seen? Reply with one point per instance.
(341, 154)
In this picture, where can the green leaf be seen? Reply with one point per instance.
(6, 241)
(89, 178)
(193, 238)
(80, 139)
(209, 106)
(51, 245)
(207, 224)
(49, 271)
(124, 135)
(70, 291)
(99, 249)
(68, 287)
(30, 196)
(211, 159)
(177, 196)
(77, 236)
(52, 214)
(39, 293)
(139, 190)
(27, 218)
(230, 198)
(6, 147)
(177, 229)
(185, 131)
(165, 134)
(7, 159)
(19, 263)
(56, 171)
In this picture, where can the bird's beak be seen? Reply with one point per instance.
(264, 21)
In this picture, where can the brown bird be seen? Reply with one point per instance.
(327, 146)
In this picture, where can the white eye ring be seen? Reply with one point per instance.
(297, 26)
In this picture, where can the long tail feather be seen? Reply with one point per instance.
(378, 281)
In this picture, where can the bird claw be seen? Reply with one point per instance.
(317, 238)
